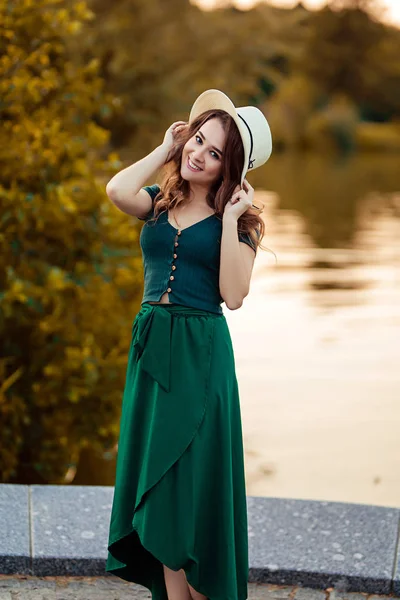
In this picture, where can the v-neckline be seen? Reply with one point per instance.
(189, 226)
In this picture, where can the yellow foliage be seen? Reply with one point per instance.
(70, 266)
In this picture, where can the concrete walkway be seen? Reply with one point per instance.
(112, 588)
(61, 531)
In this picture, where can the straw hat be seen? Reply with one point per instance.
(252, 124)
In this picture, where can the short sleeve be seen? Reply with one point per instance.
(245, 237)
(153, 191)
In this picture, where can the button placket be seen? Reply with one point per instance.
(175, 256)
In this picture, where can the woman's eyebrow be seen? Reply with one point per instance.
(211, 146)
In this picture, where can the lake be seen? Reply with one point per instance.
(317, 341)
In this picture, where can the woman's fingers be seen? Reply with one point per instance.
(247, 185)
(245, 193)
(178, 124)
(236, 196)
(178, 127)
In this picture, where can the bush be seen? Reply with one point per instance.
(70, 269)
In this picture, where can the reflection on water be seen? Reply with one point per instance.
(317, 341)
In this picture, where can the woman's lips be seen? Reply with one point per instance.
(191, 168)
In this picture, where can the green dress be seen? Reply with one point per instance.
(179, 496)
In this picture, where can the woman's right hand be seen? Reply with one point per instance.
(172, 131)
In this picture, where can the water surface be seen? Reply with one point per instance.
(317, 341)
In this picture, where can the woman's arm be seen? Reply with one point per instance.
(125, 188)
(237, 258)
(236, 264)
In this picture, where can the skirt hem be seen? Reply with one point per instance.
(196, 587)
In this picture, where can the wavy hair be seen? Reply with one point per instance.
(174, 189)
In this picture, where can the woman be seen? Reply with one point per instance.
(179, 520)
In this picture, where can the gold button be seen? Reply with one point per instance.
(179, 232)
(172, 277)
(168, 289)
(173, 267)
(176, 244)
(175, 256)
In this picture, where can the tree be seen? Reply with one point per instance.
(70, 269)
(156, 64)
(347, 51)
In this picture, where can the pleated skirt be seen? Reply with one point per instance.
(179, 496)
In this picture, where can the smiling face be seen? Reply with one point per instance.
(202, 154)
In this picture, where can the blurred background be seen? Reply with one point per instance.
(89, 88)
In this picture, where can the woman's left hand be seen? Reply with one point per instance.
(241, 200)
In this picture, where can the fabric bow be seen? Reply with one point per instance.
(151, 337)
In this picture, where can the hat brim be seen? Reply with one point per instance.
(217, 100)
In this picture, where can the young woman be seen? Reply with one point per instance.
(179, 520)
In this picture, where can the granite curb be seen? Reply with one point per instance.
(58, 530)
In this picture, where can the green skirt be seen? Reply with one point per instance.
(179, 496)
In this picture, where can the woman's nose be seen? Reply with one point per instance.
(198, 159)
(197, 154)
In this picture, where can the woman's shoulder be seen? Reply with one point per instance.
(153, 190)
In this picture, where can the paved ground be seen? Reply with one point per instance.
(23, 587)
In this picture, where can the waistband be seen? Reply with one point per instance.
(182, 309)
(151, 337)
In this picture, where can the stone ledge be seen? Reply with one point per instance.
(62, 530)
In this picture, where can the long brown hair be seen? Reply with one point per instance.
(174, 189)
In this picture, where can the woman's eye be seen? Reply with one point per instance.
(199, 140)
